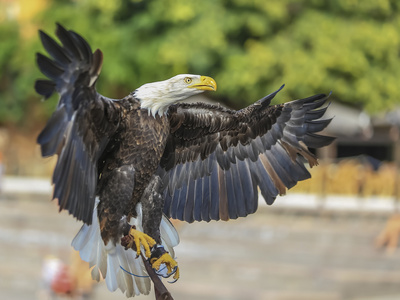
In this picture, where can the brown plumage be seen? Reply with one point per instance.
(145, 155)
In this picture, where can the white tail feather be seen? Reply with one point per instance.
(108, 260)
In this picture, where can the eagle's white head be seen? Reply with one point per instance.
(158, 96)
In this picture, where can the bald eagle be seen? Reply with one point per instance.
(125, 166)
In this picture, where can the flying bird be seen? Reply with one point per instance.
(125, 166)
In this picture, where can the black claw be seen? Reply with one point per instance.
(168, 275)
(173, 281)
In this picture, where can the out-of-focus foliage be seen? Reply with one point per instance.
(350, 47)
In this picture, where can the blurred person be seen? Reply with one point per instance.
(52, 268)
(389, 236)
(71, 280)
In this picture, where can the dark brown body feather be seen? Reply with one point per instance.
(197, 162)
(135, 149)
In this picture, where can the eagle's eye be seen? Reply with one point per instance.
(188, 80)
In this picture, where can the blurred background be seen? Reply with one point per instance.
(332, 237)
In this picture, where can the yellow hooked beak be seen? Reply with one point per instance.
(206, 83)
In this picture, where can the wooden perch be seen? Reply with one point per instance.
(159, 288)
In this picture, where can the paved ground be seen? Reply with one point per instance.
(278, 253)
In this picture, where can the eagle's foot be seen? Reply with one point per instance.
(160, 256)
(135, 238)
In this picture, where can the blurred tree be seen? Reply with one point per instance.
(249, 47)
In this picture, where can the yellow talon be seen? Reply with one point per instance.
(169, 262)
(142, 238)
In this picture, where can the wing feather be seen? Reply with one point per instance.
(223, 197)
(54, 49)
(214, 194)
(205, 200)
(198, 198)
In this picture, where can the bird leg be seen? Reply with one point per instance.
(160, 256)
(156, 254)
(135, 238)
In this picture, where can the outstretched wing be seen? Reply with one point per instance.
(82, 124)
(216, 158)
